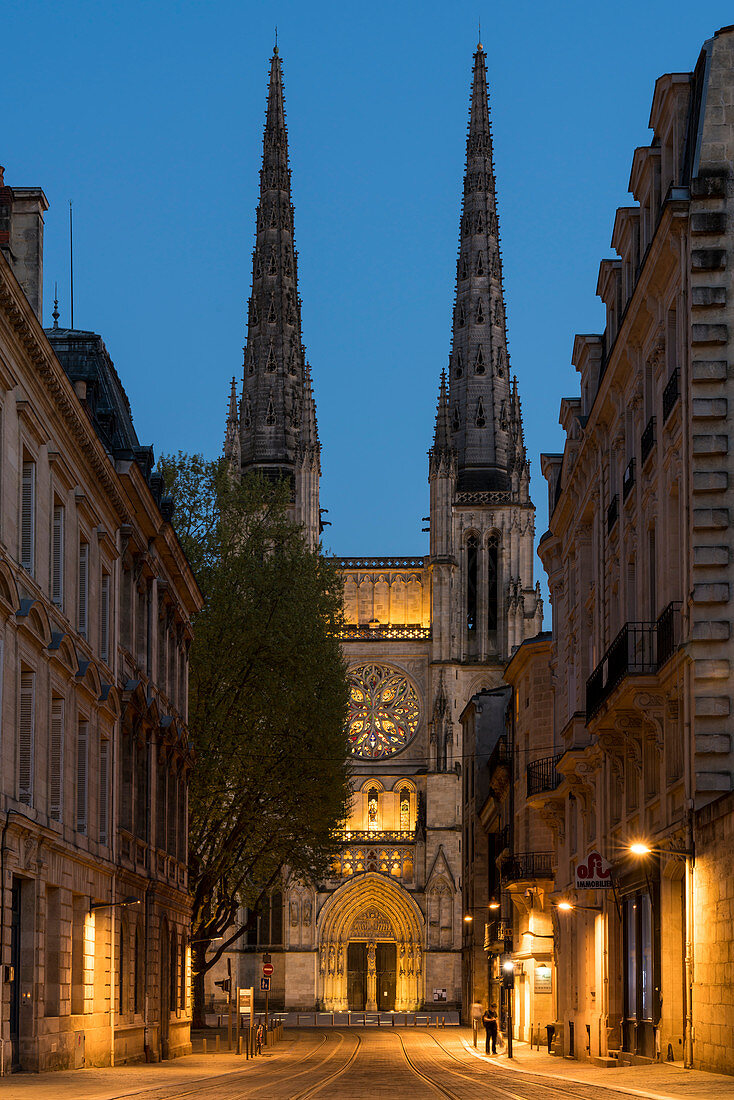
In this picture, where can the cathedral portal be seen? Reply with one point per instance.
(370, 936)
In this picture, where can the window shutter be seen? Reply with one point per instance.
(28, 516)
(25, 737)
(82, 776)
(104, 765)
(57, 557)
(83, 587)
(56, 780)
(105, 618)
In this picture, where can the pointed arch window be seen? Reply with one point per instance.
(492, 589)
(480, 312)
(456, 421)
(481, 420)
(405, 810)
(480, 264)
(479, 362)
(270, 414)
(459, 369)
(373, 808)
(464, 269)
(258, 268)
(272, 362)
(272, 263)
(479, 228)
(462, 316)
(247, 419)
(272, 313)
(501, 364)
(472, 556)
(498, 312)
(254, 312)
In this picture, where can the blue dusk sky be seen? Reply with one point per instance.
(149, 116)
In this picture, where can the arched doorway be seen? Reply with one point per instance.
(371, 937)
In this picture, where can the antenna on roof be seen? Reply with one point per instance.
(71, 261)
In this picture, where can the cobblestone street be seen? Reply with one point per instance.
(403, 1064)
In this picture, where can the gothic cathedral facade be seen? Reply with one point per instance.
(423, 634)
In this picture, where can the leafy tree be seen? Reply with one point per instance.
(267, 699)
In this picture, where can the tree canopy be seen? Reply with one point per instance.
(267, 696)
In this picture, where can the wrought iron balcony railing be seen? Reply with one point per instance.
(500, 757)
(640, 649)
(647, 439)
(528, 866)
(612, 512)
(671, 393)
(382, 632)
(542, 775)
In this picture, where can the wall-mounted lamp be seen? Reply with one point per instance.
(109, 904)
(568, 907)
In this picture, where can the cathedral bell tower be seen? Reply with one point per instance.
(274, 431)
(482, 520)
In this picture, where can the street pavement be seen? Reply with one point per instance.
(369, 1064)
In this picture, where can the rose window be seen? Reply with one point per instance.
(383, 711)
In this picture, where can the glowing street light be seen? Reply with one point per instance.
(639, 848)
(493, 905)
(468, 918)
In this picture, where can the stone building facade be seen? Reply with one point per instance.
(639, 562)
(422, 636)
(96, 599)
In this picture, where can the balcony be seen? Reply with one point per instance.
(497, 933)
(671, 393)
(647, 440)
(628, 479)
(384, 632)
(528, 866)
(542, 775)
(640, 649)
(612, 512)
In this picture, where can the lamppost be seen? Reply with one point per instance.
(642, 850)
(508, 981)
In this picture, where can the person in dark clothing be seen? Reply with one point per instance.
(489, 1019)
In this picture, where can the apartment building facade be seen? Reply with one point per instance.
(639, 562)
(96, 599)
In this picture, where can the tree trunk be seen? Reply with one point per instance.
(198, 959)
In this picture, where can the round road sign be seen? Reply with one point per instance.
(267, 969)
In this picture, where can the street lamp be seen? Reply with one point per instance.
(508, 981)
(468, 918)
(132, 900)
(570, 907)
(493, 904)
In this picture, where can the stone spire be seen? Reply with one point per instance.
(479, 385)
(232, 433)
(442, 452)
(277, 403)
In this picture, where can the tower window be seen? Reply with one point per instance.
(456, 423)
(372, 805)
(481, 418)
(471, 584)
(479, 362)
(405, 809)
(492, 590)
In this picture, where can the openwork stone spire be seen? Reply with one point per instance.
(442, 454)
(277, 418)
(479, 384)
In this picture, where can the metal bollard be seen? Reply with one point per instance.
(216, 1044)
(203, 1049)
(239, 1045)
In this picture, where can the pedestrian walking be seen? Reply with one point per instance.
(489, 1019)
(259, 1036)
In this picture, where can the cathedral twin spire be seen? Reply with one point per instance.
(481, 407)
(274, 430)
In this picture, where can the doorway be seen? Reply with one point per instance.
(165, 987)
(386, 956)
(15, 926)
(357, 976)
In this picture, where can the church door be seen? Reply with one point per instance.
(357, 976)
(386, 958)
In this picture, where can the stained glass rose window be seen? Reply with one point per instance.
(383, 711)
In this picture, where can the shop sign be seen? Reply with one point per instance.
(594, 873)
(543, 983)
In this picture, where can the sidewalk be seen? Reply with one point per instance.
(661, 1081)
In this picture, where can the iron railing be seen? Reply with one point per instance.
(647, 439)
(671, 393)
(376, 836)
(381, 632)
(612, 512)
(668, 631)
(640, 649)
(542, 775)
(502, 838)
(628, 478)
(501, 756)
(380, 563)
(528, 865)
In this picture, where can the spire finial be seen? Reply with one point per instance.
(55, 313)
(479, 36)
(275, 51)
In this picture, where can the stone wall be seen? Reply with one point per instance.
(713, 925)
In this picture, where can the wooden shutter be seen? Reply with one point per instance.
(105, 618)
(82, 776)
(104, 768)
(57, 557)
(25, 736)
(56, 761)
(28, 516)
(83, 587)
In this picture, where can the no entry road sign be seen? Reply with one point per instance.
(268, 969)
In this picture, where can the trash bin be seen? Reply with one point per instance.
(551, 1030)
